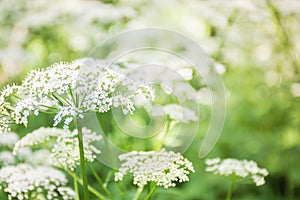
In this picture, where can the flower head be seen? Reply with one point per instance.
(8, 140)
(6, 158)
(64, 145)
(69, 90)
(23, 180)
(164, 168)
(239, 169)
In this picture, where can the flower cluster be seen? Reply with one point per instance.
(8, 140)
(164, 168)
(70, 90)
(6, 108)
(6, 158)
(63, 145)
(176, 113)
(237, 169)
(26, 182)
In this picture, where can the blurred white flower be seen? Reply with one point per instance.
(24, 154)
(186, 73)
(220, 68)
(203, 96)
(164, 168)
(64, 145)
(22, 181)
(66, 193)
(237, 169)
(176, 112)
(6, 158)
(295, 89)
(9, 139)
(40, 157)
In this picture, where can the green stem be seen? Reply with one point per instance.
(110, 173)
(76, 187)
(138, 193)
(99, 181)
(60, 99)
(150, 193)
(229, 194)
(82, 160)
(91, 189)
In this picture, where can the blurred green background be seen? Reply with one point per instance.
(255, 45)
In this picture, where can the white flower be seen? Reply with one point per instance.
(6, 158)
(23, 180)
(164, 168)
(8, 139)
(237, 168)
(66, 193)
(203, 96)
(70, 90)
(24, 154)
(40, 157)
(64, 145)
(186, 73)
(212, 161)
(177, 113)
(6, 108)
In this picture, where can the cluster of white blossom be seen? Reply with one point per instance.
(26, 182)
(6, 158)
(64, 145)
(163, 167)
(39, 157)
(9, 139)
(176, 113)
(69, 90)
(66, 193)
(7, 142)
(6, 108)
(237, 168)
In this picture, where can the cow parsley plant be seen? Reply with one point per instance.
(162, 167)
(69, 90)
(237, 169)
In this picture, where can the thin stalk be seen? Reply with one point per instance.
(107, 178)
(50, 107)
(164, 136)
(229, 194)
(82, 159)
(100, 181)
(138, 193)
(71, 94)
(76, 187)
(151, 193)
(61, 100)
(91, 189)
